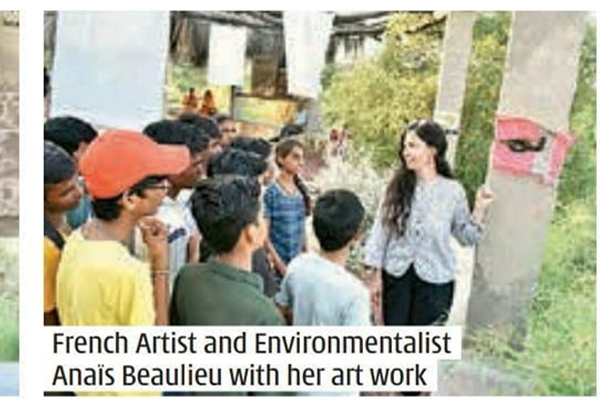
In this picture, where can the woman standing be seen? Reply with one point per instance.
(410, 241)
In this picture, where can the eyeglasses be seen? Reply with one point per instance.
(229, 130)
(154, 182)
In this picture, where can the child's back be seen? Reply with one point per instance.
(319, 292)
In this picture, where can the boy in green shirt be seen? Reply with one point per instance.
(224, 291)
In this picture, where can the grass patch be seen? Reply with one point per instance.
(9, 300)
(9, 332)
(559, 353)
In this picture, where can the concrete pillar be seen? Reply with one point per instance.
(458, 38)
(9, 123)
(539, 84)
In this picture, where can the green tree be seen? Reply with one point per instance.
(484, 80)
(378, 97)
(9, 304)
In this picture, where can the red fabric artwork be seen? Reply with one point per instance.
(523, 147)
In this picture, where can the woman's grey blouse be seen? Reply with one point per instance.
(439, 210)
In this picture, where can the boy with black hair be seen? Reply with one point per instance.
(317, 290)
(73, 135)
(263, 149)
(237, 162)
(183, 235)
(288, 131)
(224, 291)
(61, 194)
(99, 282)
(258, 146)
(208, 126)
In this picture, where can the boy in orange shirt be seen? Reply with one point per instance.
(61, 194)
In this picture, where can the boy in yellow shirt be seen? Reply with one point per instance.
(99, 281)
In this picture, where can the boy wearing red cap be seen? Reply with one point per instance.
(99, 281)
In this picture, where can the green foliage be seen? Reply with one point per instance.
(559, 354)
(9, 321)
(378, 97)
(560, 350)
(354, 172)
(486, 67)
(579, 177)
(9, 334)
(181, 77)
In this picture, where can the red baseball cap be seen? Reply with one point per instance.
(117, 159)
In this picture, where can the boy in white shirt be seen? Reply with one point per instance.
(183, 235)
(317, 290)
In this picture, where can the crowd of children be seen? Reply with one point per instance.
(191, 223)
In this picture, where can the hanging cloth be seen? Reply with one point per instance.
(306, 39)
(226, 55)
(109, 67)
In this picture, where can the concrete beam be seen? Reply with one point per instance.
(458, 40)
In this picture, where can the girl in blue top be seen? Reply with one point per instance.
(287, 204)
